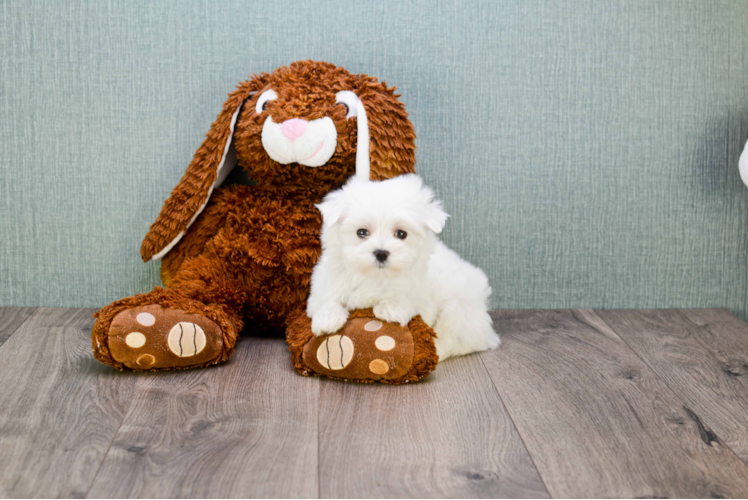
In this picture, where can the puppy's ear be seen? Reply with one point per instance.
(433, 214)
(332, 208)
(209, 167)
(392, 148)
(436, 217)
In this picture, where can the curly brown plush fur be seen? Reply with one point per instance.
(248, 257)
(305, 90)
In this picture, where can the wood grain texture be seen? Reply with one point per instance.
(244, 429)
(596, 420)
(10, 319)
(59, 408)
(702, 354)
(610, 404)
(447, 436)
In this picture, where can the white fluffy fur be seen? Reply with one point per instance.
(420, 275)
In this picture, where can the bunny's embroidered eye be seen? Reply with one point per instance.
(362, 233)
(262, 101)
(401, 234)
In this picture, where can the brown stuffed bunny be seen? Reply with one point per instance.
(243, 257)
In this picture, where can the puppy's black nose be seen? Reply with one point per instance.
(381, 255)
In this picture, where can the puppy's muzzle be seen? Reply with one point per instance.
(381, 255)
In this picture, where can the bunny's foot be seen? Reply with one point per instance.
(364, 350)
(161, 330)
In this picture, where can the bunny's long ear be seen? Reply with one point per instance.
(392, 145)
(211, 164)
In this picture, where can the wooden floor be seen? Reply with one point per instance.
(575, 403)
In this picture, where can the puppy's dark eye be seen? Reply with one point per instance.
(362, 233)
(401, 234)
(345, 106)
(265, 105)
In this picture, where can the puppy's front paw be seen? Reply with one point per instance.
(394, 313)
(328, 320)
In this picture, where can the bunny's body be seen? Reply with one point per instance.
(242, 256)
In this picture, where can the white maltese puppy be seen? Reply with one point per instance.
(380, 250)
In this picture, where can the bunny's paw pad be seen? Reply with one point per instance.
(369, 350)
(153, 337)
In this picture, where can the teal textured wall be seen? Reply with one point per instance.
(587, 150)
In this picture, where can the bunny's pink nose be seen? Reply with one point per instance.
(293, 129)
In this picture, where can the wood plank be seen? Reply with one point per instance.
(596, 420)
(244, 429)
(702, 354)
(446, 436)
(59, 407)
(11, 318)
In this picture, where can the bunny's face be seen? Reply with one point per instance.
(297, 129)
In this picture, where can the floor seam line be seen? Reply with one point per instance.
(33, 313)
(114, 436)
(522, 439)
